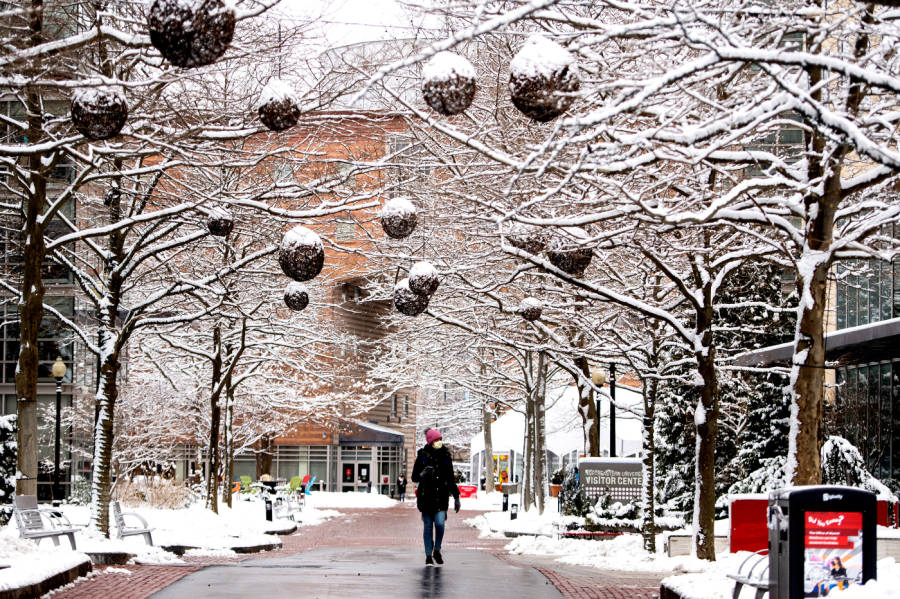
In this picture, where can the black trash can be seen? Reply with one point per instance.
(820, 539)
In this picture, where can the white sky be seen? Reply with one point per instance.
(348, 21)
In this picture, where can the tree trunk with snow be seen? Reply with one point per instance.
(540, 454)
(488, 447)
(215, 416)
(229, 440)
(107, 393)
(588, 408)
(648, 449)
(706, 418)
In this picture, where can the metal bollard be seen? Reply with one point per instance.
(505, 501)
(268, 509)
(514, 511)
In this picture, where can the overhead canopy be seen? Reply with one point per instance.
(368, 433)
(868, 342)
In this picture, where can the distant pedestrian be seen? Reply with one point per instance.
(433, 472)
(401, 486)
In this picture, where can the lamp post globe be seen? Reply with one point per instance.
(58, 371)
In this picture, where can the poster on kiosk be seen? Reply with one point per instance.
(833, 546)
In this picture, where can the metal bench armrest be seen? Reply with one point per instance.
(140, 518)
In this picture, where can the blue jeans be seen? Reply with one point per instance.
(433, 538)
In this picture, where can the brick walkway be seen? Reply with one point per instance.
(397, 526)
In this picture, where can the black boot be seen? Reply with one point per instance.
(429, 561)
(438, 557)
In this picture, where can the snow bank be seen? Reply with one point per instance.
(30, 564)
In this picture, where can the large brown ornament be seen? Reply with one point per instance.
(398, 218)
(220, 222)
(527, 238)
(296, 296)
(568, 255)
(99, 113)
(407, 301)
(191, 33)
(543, 79)
(301, 255)
(279, 107)
(423, 278)
(531, 308)
(449, 86)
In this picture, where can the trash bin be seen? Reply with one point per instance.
(820, 538)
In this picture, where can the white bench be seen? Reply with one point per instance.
(40, 523)
(123, 530)
(753, 572)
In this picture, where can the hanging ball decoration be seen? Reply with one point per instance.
(219, 222)
(398, 218)
(112, 195)
(531, 308)
(296, 296)
(542, 79)
(407, 301)
(449, 86)
(527, 238)
(423, 278)
(278, 106)
(99, 113)
(301, 255)
(191, 33)
(570, 256)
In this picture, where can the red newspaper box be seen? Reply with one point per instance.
(468, 490)
(748, 530)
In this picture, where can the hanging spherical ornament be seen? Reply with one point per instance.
(301, 255)
(423, 278)
(296, 296)
(527, 238)
(219, 222)
(531, 308)
(398, 218)
(99, 113)
(278, 106)
(568, 255)
(543, 79)
(449, 85)
(112, 195)
(191, 33)
(407, 301)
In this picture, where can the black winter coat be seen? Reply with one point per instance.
(433, 471)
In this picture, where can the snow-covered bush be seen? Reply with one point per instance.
(7, 465)
(842, 465)
(543, 79)
(191, 33)
(80, 493)
(574, 501)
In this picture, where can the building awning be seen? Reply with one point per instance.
(368, 433)
(866, 343)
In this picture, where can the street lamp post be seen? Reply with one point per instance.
(598, 377)
(58, 371)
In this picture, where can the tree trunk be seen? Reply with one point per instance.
(101, 487)
(588, 408)
(229, 441)
(706, 421)
(31, 307)
(540, 455)
(488, 448)
(648, 501)
(527, 490)
(215, 415)
(264, 457)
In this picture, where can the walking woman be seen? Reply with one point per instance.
(433, 472)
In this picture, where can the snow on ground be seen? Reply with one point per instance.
(29, 564)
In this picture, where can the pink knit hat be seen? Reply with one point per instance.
(432, 435)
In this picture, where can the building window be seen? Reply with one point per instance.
(406, 406)
(344, 230)
(867, 290)
(55, 339)
(394, 407)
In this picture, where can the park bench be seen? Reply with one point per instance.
(753, 572)
(286, 503)
(40, 523)
(124, 530)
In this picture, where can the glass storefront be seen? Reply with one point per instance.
(864, 413)
(868, 290)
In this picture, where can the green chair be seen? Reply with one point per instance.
(294, 483)
(245, 484)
